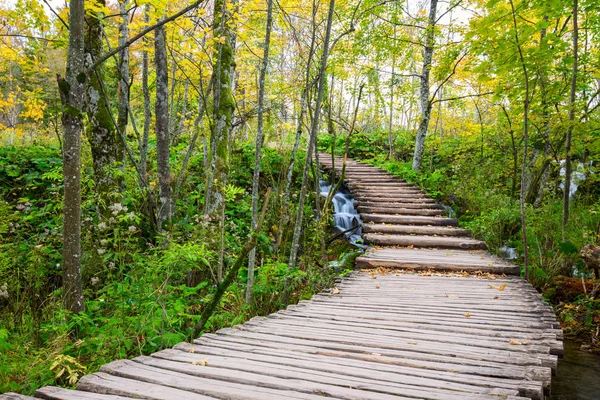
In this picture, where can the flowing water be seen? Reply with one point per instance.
(345, 216)
(578, 376)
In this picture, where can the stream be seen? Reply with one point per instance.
(578, 375)
(345, 216)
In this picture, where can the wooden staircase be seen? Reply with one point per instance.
(406, 228)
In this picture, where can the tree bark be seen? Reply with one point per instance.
(72, 90)
(123, 67)
(105, 143)
(312, 138)
(568, 167)
(161, 110)
(424, 88)
(525, 143)
(223, 107)
(259, 140)
(147, 110)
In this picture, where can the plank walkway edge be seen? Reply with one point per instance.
(423, 317)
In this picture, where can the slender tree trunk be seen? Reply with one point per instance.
(288, 181)
(525, 143)
(147, 109)
(259, 140)
(72, 90)
(312, 138)
(105, 143)
(391, 119)
(223, 107)
(161, 109)
(124, 81)
(424, 88)
(568, 167)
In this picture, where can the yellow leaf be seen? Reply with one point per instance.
(468, 315)
(203, 363)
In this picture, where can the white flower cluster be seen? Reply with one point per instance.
(117, 208)
(4, 290)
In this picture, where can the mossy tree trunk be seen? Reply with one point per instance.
(161, 109)
(105, 143)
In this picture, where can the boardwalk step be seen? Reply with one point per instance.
(427, 206)
(443, 260)
(415, 230)
(389, 198)
(399, 210)
(424, 241)
(409, 220)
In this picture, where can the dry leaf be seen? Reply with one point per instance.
(468, 315)
(377, 286)
(452, 296)
(335, 291)
(192, 350)
(513, 341)
(376, 354)
(203, 363)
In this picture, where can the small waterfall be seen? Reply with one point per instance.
(577, 176)
(449, 210)
(510, 253)
(345, 216)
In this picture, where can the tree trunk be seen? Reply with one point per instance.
(525, 143)
(72, 90)
(147, 110)
(259, 140)
(567, 185)
(161, 110)
(223, 107)
(424, 88)
(105, 143)
(124, 81)
(312, 138)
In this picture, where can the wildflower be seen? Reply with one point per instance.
(111, 265)
(131, 215)
(116, 208)
(103, 242)
(101, 251)
(4, 290)
(102, 226)
(132, 229)
(94, 280)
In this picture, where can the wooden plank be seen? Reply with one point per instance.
(407, 220)
(14, 396)
(104, 383)
(415, 230)
(399, 211)
(428, 206)
(57, 393)
(424, 241)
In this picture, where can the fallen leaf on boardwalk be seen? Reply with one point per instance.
(410, 247)
(191, 350)
(376, 354)
(516, 342)
(501, 287)
(335, 291)
(411, 342)
(203, 363)
(377, 286)
(452, 296)
(468, 315)
(496, 297)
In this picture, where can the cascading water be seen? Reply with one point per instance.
(345, 216)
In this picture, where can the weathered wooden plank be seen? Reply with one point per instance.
(424, 241)
(400, 211)
(424, 206)
(57, 393)
(407, 220)
(14, 396)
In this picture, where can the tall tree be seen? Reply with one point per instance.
(259, 140)
(568, 166)
(72, 89)
(424, 87)
(312, 137)
(123, 69)
(105, 143)
(161, 110)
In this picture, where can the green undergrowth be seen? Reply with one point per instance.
(141, 294)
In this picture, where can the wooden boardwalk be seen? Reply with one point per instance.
(427, 318)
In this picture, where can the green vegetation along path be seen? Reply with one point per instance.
(431, 316)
